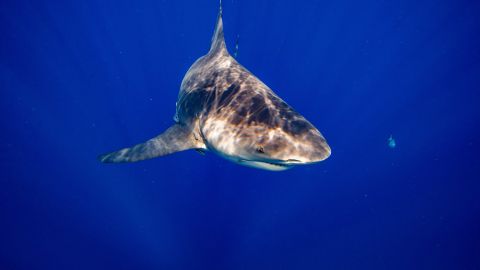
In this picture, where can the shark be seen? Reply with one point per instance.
(223, 108)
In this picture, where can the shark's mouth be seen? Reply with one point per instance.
(269, 165)
(279, 164)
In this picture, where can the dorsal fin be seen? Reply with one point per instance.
(218, 41)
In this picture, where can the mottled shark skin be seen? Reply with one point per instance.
(224, 108)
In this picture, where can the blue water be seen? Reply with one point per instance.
(79, 78)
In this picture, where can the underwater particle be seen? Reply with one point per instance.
(236, 47)
(391, 142)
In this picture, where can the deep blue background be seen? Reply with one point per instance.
(79, 78)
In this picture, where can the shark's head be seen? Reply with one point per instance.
(278, 151)
(261, 145)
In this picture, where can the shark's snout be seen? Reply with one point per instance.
(295, 150)
(284, 152)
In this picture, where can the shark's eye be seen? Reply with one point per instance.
(260, 150)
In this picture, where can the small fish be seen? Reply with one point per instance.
(391, 142)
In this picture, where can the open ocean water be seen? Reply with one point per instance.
(80, 78)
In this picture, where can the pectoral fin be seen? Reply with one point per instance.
(175, 139)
